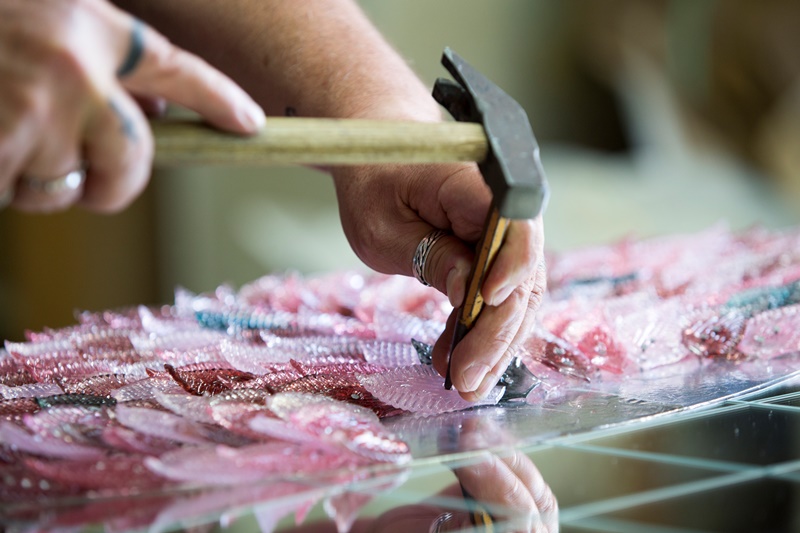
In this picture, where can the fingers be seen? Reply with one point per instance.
(158, 68)
(482, 356)
(516, 260)
(506, 482)
(52, 176)
(446, 266)
(478, 361)
(118, 151)
(512, 489)
(66, 70)
(151, 106)
(491, 481)
(459, 203)
(545, 512)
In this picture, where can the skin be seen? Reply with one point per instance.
(311, 58)
(506, 482)
(62, 105)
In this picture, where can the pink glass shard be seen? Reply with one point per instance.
(651, 334)
(353, 427)
(30, 390)
(18, 439)
(129, 441)
(714, 333)
(208, 382)
(144, 389)
(99, 385)
(12, 373)
(123, 474)
(21, 484)
(160, 424)
(772, 333)
(401, 327)
(14, 409)
(420, 390)
(390, 354)
(558, 354)
(189, 406)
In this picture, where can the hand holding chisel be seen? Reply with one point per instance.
(512, 170)
(492, 129)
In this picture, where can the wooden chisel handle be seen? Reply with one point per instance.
(319, 141)
(494, 231)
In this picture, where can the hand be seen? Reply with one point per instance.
(504, 483)
(387, 210)
(503, 480)
(68, 70)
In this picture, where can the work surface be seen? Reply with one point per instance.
(721, 455)
(288, 392)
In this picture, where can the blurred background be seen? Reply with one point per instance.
(653, 117)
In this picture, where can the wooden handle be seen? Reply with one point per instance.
(310, 141)
(494, 232)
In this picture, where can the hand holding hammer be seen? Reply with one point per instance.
(492, 130)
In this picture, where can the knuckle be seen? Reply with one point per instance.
(536, 297)
(547, 504)
(436, 272)
(517, 496)
(168, 60)
(370, 244)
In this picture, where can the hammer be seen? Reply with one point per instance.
(491, 129)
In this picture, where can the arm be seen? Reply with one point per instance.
(68, 73)
(324, 58)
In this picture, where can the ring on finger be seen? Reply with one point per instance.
(441, 521)
(135, 50)
(69, 182)
(421, 254)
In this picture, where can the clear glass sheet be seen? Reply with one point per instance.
(583, 442)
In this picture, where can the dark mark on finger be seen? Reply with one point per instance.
(135, 50)
(126, 124)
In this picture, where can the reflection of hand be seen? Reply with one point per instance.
(66, 70)
(510, 486)
(508, 481)
(386, 211)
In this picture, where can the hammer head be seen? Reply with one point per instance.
(512, 167)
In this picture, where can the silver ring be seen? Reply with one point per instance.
(68, 183)
(421, 255)
(439, 521)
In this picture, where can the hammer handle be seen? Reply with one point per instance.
(319, 141)
(494, 231)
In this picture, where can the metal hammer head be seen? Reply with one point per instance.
(512, 167)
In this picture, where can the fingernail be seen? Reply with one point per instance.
(500, 295)
(456, 284)
(487, 384)
(254, 118)
(473, 376)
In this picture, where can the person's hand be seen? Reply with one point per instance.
(506, 484)
(387, 210)
(68, 70)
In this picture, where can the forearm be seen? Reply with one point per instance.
(313, 57)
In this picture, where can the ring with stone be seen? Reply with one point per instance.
(68, 183)
(423, 251)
